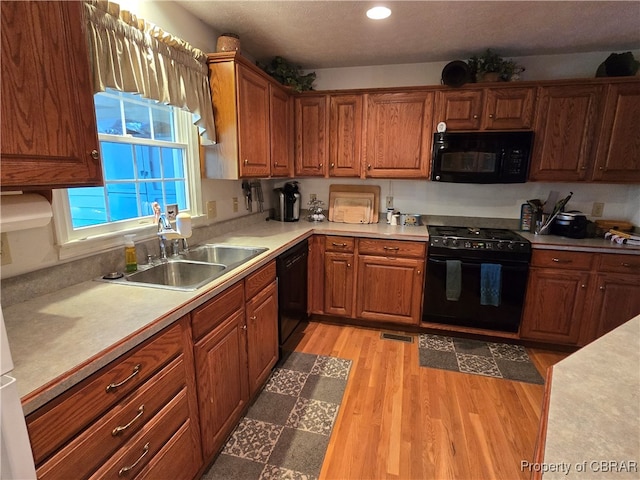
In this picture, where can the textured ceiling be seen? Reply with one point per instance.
(323, 34)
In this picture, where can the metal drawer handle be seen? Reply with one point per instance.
(253, 318)
(557, 260)
(118, 430)
(625, 264)
(114, 386)
(338, 244)
(125, 470)
(395, 249)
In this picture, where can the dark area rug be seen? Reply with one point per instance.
(499, 360)
(285, 433)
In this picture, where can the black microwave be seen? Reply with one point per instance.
(481, 157)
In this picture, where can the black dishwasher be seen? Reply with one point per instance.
(291, 268)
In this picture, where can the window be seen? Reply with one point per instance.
(149, 154)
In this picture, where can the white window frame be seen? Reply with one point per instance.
(89, 240)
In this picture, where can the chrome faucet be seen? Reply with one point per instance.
(167, 232)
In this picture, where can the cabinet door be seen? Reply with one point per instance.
(262, 336)
(619, 146)
(281, 115)
(49, 134)
(567, 122)
(221, 372)
(616, 299)
(398, 133)
(390, 289)
(253, 124)
(345, 135)
(459, 109)
(554, 305)
(311, 135)
(315, 274)
(509, 108)
(338, 283)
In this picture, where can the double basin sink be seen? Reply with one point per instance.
(192, 269)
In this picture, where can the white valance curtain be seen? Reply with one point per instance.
(131, 55)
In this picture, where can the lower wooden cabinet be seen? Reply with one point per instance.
(575, 297)
(121, 420)
(262, 327)
(374, 280)
(221, 366)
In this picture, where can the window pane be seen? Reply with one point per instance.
(173, 162)
(87, 206)
(108, 114)
(151, 192)
(137, 120)
(117, 159)
(163, 124)
(148, 162)
(123, 203)
(175, 193)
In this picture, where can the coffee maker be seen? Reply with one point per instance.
(287, 202)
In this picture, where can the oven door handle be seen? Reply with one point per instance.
(506, 266)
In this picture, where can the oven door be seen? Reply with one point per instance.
(467, 310)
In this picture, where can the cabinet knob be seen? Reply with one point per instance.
(95, 154)
(475, 117)
(244, 327)
(246, 161)
(583, 167)
(368, 166)
(333, 164)
(583, 286)
(349, 265)
(321, 164)
(600, 168)
(491, 115)
(601, 287)
(275, 164)
(419, 272)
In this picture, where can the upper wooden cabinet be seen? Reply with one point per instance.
(253, 121)
(567, 126)
(311, 152)
(49, 134)
(618, 155)
(496, 108)
(398, 134)
(345, 135)
(281, 123)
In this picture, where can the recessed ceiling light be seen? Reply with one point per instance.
(378, 13)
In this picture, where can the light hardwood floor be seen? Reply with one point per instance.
(402, 421)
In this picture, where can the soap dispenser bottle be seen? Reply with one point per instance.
(130, 259)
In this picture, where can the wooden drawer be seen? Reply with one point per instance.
(54, 424)
(179, 458)
(619, 263)
(208, 316)
(146, 444)
(562, 259)
(339, 244)
(257, 281)
(392, 248)
(89, 450)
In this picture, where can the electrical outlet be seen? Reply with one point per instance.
(597, 210)
(172, 211)
(312, 196)
(212, 210)
(5, 252)
(389, 201)
(235, 204)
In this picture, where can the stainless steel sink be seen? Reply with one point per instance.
(192, 269)
(229, 255)
(175, 275)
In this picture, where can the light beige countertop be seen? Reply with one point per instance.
(61, 338)
(594, 245)
(593, 428)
